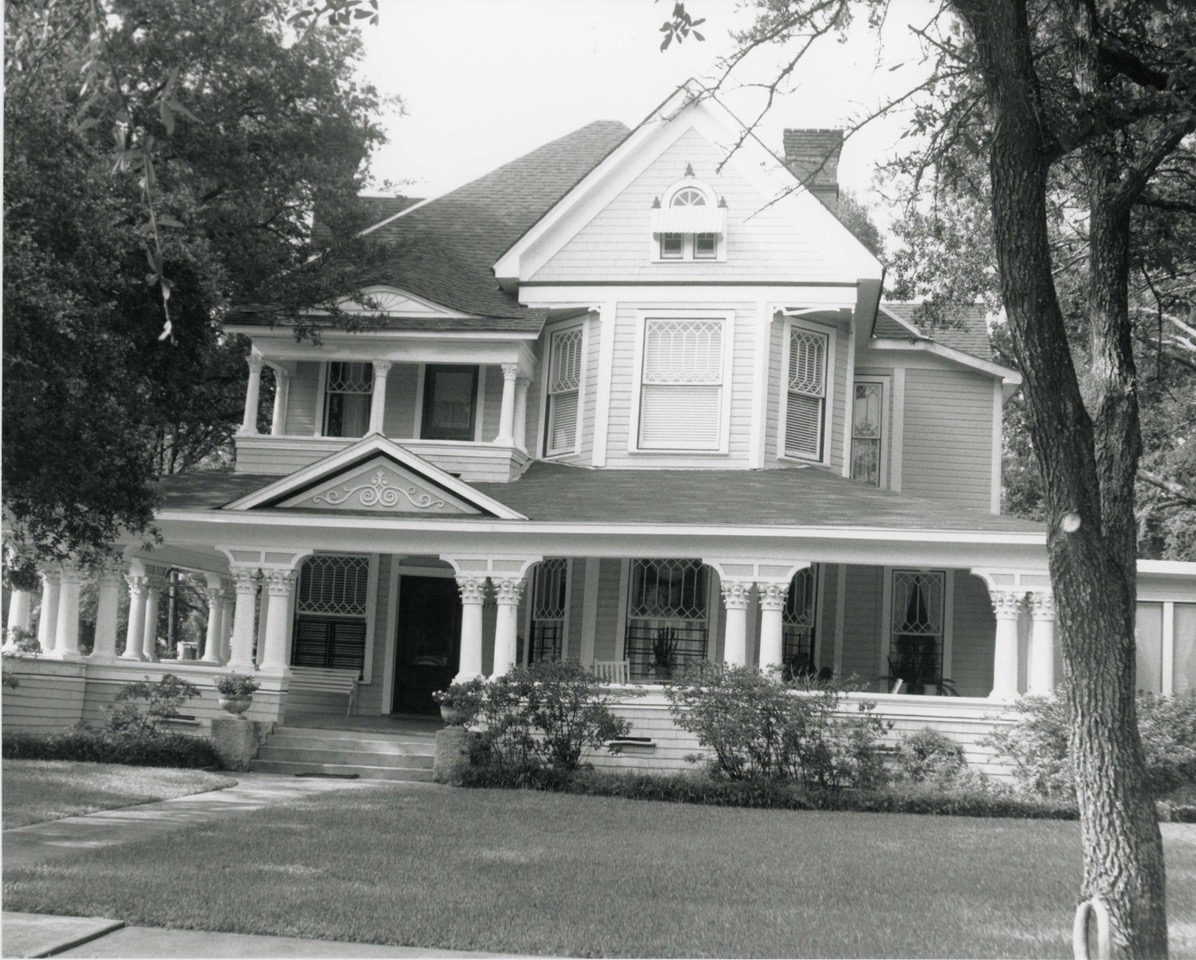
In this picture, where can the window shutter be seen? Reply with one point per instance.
(806, 407)
(681, 393)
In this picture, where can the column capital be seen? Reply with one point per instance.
(510, 371)
(244, 578)
(255, 363)
(278, 582)
(473, 589)
(508, 590)
(1007, 604)
(736, 594)
(68, 570)
(138, 583)
(51, 573)
(772, 595)
(382, 367)
(1042, 606)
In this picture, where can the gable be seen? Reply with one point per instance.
(378, 484)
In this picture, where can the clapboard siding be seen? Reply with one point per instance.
(606, 638)
(948, 436)
(824, 628)
(577, 596)
(369, 695)
(862, 623)
(764, 243)
(302, 400)
(402, 386)
(491, 394)
(738, 380)
(974, 630)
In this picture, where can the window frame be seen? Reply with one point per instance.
(828, 410)
(688, 252)
(371, 609)
(545, 374)
(711, 615)
(886, 622)
(643, 318)
(885, 426)
(424, 385)
(326, 395)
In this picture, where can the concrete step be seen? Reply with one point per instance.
(400, 774)
(357, 736)
(379, 748)
(318, 753)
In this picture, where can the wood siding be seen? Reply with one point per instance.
(303, 401)
(974, 636)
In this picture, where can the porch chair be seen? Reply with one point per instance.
(613, 671)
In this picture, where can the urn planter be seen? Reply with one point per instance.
(235, 705)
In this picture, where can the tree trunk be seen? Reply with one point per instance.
(1088, 479)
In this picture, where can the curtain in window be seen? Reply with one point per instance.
(681, 393)
(347, 392)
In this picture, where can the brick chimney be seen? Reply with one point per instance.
(813, 156)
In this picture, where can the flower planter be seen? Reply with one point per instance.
(235, 705)
(451, 715)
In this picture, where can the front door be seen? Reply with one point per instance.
(429, 630)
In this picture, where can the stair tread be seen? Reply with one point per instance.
(271, 751)
(364, 771)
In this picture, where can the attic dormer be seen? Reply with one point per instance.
(689, 222)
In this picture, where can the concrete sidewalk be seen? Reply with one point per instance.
(39, 843)
(42, 935)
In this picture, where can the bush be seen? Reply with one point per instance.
(929, 756)
(236, 685)
(544, 715)
(463, 698)
(99, 746)
(1035, 746)
(24, 640)
(142, 706)
(761, 727)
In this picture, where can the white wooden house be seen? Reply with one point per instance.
(626, 396)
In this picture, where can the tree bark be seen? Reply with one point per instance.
(1088, 469)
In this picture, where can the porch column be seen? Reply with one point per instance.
(212, 638)
(735, 602)
(66, 632)
(227, 600)
(473, 592)
(1007, 604)
(772, 603)
(521, 385)
(107, 610)
(278, 584)
(20, 604)
(1040, 672)
(47, 618)
(282, 395)
(506, 416)
(507, 591)
(138, 585)
(149, 635)
(252, 390)
(241, 654)
(378, 397)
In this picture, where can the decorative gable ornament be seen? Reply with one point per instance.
(383, 486)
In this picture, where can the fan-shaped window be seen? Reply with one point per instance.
(688, 197)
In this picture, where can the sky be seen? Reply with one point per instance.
(485, 81)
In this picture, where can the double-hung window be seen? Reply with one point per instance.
(806, 393)
(450, 402)
(347, 391)
(330, 612)
(867, 431)
(681, 390)
(564, 385)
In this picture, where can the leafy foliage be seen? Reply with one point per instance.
(141, 707)
(928, 755)
(236, 685)
(762, 727)
(100, 746)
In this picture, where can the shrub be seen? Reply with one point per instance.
(24, 640)
(761, 727)
(1036, 745)
(928, 755)
(464, 698)
(545, 715)
(140, 707)
(100, 746)
(236, 685)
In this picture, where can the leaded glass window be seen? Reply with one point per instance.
(330, 612)
(916, 629)
(798, 623)
(564, 386)
(867, 424)
(667, 616)
(805, 409)
(347, 392)
(550, 586)
(682, 388)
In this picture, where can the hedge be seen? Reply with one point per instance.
(94, 746)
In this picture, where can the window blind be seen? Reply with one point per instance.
(564, 383)
(805, 412)
(682, 388)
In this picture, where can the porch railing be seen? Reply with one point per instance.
(645, 637)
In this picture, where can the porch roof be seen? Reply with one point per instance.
(557, 493)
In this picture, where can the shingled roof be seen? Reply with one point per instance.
(444, 249)
(964, 326)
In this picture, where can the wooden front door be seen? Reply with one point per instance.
(429, 631)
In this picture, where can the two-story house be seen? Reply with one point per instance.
(633, 398)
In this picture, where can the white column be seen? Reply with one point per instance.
(1040, 677)
(278, 585)
(20, 603)
(212, 638)
(507, 591)
(282, 392)
(107, 610)
(473, 592)
(227, 602)
(252, 390)
(240, 657)
(506, 416)
(149, 634)
(263, 614)
(521, 385)
(47, 618)
(378, 397)
(66, 632)
(138, 585)
(1007, 604)
(735, 602)
(772, 603)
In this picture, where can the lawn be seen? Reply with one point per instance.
(37, 790)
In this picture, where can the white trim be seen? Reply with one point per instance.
(430, 307)
(1168, 649)
(642, 318)
(898, 448)
(817, 646)
(568, 607)
(480, 415)
(948, 623)
(997, 448)
(390, 650)
(371, 611)
(1008, 376)
(621, 610)
(763, 344)
(840, 614)
(883, 382)
(401, 213)
(373, 443)
(815, 297)
(826, 435)
(589, 609)
(849, 407)
(321, 398)
(607, 319)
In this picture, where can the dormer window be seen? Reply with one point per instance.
(690, 224)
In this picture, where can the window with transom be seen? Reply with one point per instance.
(798, 623)
(805, 393)
(668, 615)
(331, 612)
(916, 629)
(867, 429)
(549, 605)
(347, 391)
(681, 390)
(564, 390)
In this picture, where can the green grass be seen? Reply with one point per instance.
(530, 872)
(38, 790)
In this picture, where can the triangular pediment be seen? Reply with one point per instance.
(375, 475)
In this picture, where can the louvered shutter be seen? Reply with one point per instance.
(805, 412)
(682, 389)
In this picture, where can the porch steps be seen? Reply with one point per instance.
(368, 754)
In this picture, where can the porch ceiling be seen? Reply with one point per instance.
(556, 493)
